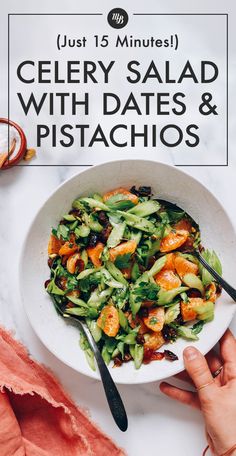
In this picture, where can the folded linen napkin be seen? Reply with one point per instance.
(37, 418)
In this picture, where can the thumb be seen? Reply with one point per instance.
(199, 372)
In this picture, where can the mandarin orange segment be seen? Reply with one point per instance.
(54, 245)
(169, 264)
(188, 311)
(173, 240)
(167, 280)
(183, 224)
(123, 191)
(155, 319)
(108, 321)
(68, 248)
(72, 262)
(122, 249)
(184, 266)
(154, 340)
(211, 292)
(94, 253)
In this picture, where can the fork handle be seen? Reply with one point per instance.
(112, 394)
(225, 285)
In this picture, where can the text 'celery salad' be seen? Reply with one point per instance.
(119, 261)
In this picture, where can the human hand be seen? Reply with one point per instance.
(216, 398)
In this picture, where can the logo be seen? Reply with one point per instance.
(117, 18)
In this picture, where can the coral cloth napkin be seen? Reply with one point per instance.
(37, 418)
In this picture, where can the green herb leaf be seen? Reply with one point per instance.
(122, 261)
(197, 327)
(63, 232)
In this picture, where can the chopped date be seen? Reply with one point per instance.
(140, 339)
(152, 355)
(143, 312)
(194, 294)
(75, 212)
(103, 218)
(179, 320)
(218, 289)
(79, 266)
(201, 248)
(93, 239)
(169, 333)
(104, 235)
(188, 245)
(127, 357)
(117, 361)
(170, 356)
(61, 282)
(46, 283)
(141, 191)
(64, 259)
(51, 261)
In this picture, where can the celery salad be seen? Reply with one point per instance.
(122, 262)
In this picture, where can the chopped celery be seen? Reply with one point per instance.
(116, 273)
(84, 257)
(123, 320)
(206, 311)
(94, 203)
(146, 208)
(82, 231)
(87, 351)
(138, 222)
(137, 352)
(69, 218)
(97, 197)
(119, 202)
(121, 348)
(135, 272)
(94, 329)
(77, 301)
(109, 280)
(193, 281)
(158, 265)
(187, 333)
(97, 298)
(172, 313)
(106, 355)
(213, 260)
(136, 236)
(167, 296)
(52, 288)
(91, 223)
(130, 339)
(134, 305)
(87, 273)
(154, 248)
(116, 235)
(82, 312)
(73, 225)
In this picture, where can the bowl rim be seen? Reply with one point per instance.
(95, 374)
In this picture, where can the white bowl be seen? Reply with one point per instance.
(168, 183)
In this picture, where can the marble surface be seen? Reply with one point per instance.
(156, 424)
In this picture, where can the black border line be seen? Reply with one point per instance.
(179, 14)
(134, 14)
